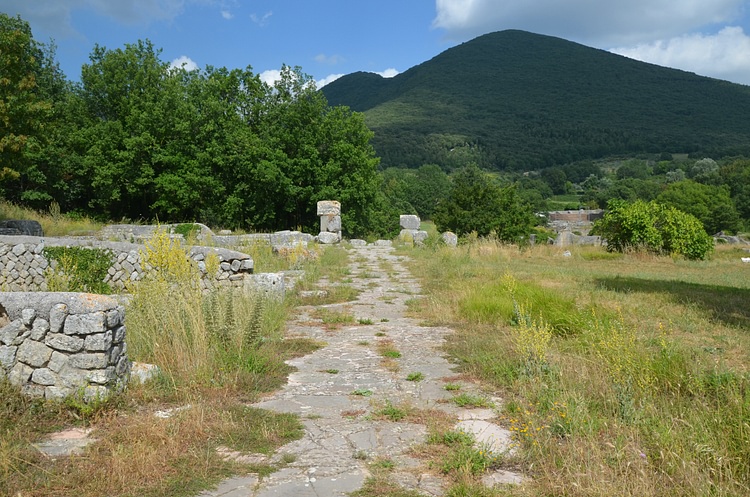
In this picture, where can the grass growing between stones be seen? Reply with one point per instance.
(216, 353)
(621, 375)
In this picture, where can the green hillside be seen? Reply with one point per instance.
(517, 100)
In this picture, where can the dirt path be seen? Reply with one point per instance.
(341, 438)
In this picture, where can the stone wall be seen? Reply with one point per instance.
(56, 344)
(23, 265)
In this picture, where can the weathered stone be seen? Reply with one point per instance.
(89, 361)
(57, 316)
(56, 393)
(102, 376)
(98, 341)
(236, 265)
(409, 222)
(95, 392)
(39, 329)
(329, 207)
(328, 238)
(118, 335)
(407, 236)
(44, 376)
(10, 332)
(357, 242)
(225, 266)
(57, 361)
(20, 374)
(382, 243)
(115, 317)
(420, 237)
(7, 356)
(450, 239)
(27, 317)
(33, 353)
(84, 324)
(66, 343)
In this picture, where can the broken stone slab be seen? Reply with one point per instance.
(141, 372)
(409, 221)
(501, 477)
(420, 237)
(65, 443)
(489, 436)
(327, 238)
(357, 242)
(450, 239)
(329, 208)
(382, 243)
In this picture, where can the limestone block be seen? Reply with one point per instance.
(329, 207)
(98, 342)
(450, 238)
(420, 237)
(10, 332)
(407, 236)
(56, 393)
(89, 361)
(7, 356)
(39, 329)
(330, 223)
(236, 265)
(119, 334)
(409, 222)
(382, 243)
(101, 376)
(85, 324)
(20, 374)
(28, 316)
(115, 317)
(271, 284)
(64, 343)
(358, 243)
(328, 238)
(33, 353)
(57, 362)
(44, 376)
(57, 316)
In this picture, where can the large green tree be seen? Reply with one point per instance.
(24, 105)
(712, 205)
(477, 202)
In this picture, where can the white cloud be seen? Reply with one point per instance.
(330, 60)
(185, 62)
(227, 14)
(598, 23)
(725, 55)
(270, 77)
(328, 79)
(261, 20)
(388, 73)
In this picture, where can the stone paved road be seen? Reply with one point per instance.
(331, 459)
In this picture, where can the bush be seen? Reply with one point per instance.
(653, 227)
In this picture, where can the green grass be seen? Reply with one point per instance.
(417, 376)
(470, 400)
(646, 385)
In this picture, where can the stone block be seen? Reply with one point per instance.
(358, 243)
(420, 237)
(119, 334)
(410, 222)
(20, 374)
(39, 329)
(407, 236)
(450, 238)
(89, 361)
(85, 324)
(27, 317)
(65, 343)
(382, 243)
(329, 207)
(7, 356)
(44, 376)
(57, 362)
(33, 353)
(57, 316)
(98, 342)
(330, 223)
(328, 238)
(56, 393)
(10, 332)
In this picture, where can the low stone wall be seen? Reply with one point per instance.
(23, 265)
(56, 344)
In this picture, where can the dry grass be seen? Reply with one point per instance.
(53, 223)
(646, 392)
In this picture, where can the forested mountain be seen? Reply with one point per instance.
(514, 100)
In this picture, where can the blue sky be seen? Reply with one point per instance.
(329, 38)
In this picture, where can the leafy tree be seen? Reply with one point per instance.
(556, 178)
(476, 202)
(654, 227)
(24, 106)
(705, 171)
(633, 168)
(736, 175)
(426, 188)
(711, 205)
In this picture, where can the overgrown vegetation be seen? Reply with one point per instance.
(78, 269)
(216, 353)
(645, 392)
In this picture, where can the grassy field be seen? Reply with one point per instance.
(620, 374)
(217, 353)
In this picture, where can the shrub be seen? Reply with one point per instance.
(78, 269)
(653, 227)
